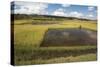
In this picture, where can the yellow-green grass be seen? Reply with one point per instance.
(19, 22)
(28, 37)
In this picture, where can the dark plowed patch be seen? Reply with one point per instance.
(69, 37)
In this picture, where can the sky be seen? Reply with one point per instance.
(66, 10)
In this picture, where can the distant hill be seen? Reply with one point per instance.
(43, 17)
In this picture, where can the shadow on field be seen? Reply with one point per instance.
(69, 37)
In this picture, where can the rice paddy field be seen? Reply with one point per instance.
(29, 36)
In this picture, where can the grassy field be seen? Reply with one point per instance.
(81, 58)
(28, 37)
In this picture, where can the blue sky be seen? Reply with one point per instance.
(67, 10)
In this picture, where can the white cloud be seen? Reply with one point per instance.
(59, 12)
(90, 8)
(90, 15)
(75, 14)
(31, 8)
(66, 5)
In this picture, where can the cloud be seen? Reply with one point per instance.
(31, 8)
(90, 15)
(62, 12)
(90, 8)
(59, 12)
(66, 5)
(75, 14)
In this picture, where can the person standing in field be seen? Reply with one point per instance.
(80, 27)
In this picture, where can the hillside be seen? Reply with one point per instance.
(44, 17)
